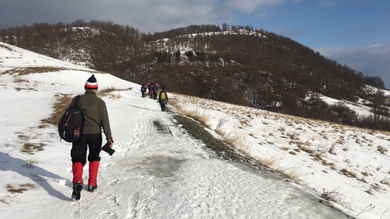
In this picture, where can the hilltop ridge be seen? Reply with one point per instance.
(237, 64)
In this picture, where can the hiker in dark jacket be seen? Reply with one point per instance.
(155, 91)
(163, 98)
(95, 119)
(143, 89)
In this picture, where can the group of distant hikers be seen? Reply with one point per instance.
(152, 89)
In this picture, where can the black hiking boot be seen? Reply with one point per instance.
(92, 188)
(77, 191)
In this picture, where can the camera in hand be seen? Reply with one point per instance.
(108, 149)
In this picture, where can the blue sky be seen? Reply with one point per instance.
(343, 23)
(352, 32)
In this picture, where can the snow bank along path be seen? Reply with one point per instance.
(157, 171)
(164, 173)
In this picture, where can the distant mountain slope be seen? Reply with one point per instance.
(238, 65)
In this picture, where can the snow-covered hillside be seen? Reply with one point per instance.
(163, 172)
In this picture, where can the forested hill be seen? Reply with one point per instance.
(235, 64)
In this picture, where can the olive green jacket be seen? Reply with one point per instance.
(95, 114)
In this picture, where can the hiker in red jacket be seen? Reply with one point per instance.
(95, 119)
(151, 90)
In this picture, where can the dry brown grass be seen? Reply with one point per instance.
(62, 102)
(173, 102)
(341, 140)
(18, 80)
(30, 163)
(30, 148)
(330, 195)
(20, 188)
(383, 150)
(362, 180)
(110, 92)
(376, 187)
(306, 148)
(3, 200)
(289, 174)
(202, 120)
(330, 164)
(23, 84)
(23, 137)
(385, 181)
(267, 162)
(252, 135)
(294, 136)
(31, 70)
(220, 124)
(332, 150)
(6, 47)
(348, 173)
(369, 192)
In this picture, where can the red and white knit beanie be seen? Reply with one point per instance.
(91, 83)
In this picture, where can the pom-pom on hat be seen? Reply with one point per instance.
(91, 83)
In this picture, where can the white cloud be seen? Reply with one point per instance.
(146, 15)
(249, 6)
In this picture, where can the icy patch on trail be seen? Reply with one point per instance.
(156, 165)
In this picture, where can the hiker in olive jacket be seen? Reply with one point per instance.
(95, 119)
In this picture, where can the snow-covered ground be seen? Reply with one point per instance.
(164, 172)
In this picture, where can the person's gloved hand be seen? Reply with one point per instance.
(110, 141)
(108, 146)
